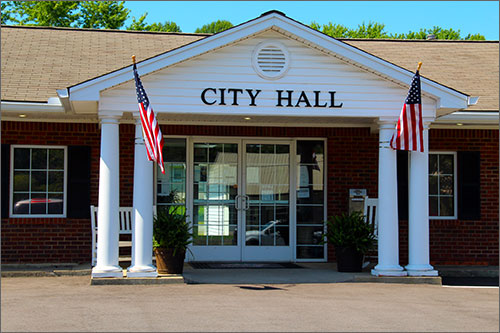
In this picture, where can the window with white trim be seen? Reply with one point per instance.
(38, 181)
(443, 185)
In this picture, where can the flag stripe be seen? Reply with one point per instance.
(408, 134)
(153, 138)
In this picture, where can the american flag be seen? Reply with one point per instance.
(409, 129)
(153, 138)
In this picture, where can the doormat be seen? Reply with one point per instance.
(241, 265)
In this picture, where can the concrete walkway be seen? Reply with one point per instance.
(71, 304)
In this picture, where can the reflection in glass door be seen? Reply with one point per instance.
(267, 202)
(215, 187)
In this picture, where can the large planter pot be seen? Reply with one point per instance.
(167, 263)
(348, 259)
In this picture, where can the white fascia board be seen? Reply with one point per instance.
(447, 98)
(32, 107)
(470, 118)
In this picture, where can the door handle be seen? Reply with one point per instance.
(247, 202)
(237, 202)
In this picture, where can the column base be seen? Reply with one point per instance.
(107, 272)
(421, 270)
(393, 270)
(142, 271)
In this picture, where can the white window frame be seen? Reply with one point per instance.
(11, 187)
(455, 186)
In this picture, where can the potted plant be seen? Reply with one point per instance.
(171, 237)
(352, 237)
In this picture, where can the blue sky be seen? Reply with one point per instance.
(398, 16)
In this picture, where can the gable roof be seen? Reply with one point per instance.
(46, 59)
(467, 66)
(36, 61)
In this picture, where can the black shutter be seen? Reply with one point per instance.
(402, 165)
(5, 180)
(78, 182)
(469, 185)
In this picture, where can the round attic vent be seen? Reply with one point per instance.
(270, 60)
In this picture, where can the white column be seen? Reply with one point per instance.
(388, 231)
(142, 229)
(418, 213)
(109, 201)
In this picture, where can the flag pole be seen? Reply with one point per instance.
(133, 60)
(418, 68)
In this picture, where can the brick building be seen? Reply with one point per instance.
(267, 125)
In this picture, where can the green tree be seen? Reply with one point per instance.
(103, 14)
(6, 12)
(376, 30)
(81, 14)
(214, 27)
(44, 13)
(141, 25)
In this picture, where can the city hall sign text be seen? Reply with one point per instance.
(284, 98)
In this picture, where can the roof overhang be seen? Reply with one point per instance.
(84, 97)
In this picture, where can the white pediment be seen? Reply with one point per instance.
(218, 76)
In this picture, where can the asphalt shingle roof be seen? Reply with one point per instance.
(36, 61)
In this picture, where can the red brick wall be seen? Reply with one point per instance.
(352, 163)
(458, 242)
(34, 240)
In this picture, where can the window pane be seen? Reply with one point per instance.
(446, 164)
(174, 150)
(38, 204)
(446, 206)
(200, 152)
(55, 204)
(39, 181)
(39, 158)
(21, 158)
(21, 203)
(433, 164)
(433, 184)
(446, 185)
(433, 206)
(310, 252)
(21, 181)
(310, 215)
(215, 153)
(309, 235)
(56, 159)
(56, 181)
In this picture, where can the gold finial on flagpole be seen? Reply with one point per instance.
(419, 65)
(133, 59)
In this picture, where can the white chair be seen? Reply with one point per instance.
(125, 221)
(370, 212)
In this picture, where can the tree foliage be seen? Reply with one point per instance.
(141, 25)
(214, 27)
(103, 14)
(377, 30)
(80, 14)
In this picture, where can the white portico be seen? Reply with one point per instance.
(220, 80)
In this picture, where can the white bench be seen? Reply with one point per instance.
(125, 221)
(370, 212)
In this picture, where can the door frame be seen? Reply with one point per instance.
(190, 139)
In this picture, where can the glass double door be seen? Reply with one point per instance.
(241, 201)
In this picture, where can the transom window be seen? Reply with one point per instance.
(38, 181)
(442, 185)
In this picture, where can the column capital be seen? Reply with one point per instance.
(387, 122)
(109, 120)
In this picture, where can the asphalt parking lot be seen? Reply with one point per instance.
(71, 304)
